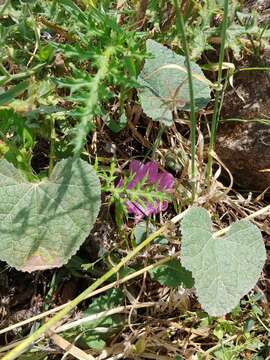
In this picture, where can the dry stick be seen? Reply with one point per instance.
(72, 304)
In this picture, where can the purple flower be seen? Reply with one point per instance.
(161, 181)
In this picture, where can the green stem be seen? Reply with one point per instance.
(4, 71)
(180, 25)
(101, 290)
(92, 101)
(222, 96)
(52, 146)
(215, 117)
(4, 80)
(6, 4)
(156, 144)
(18, 350)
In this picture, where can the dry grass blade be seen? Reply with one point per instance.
(70, 348)
(102, 314)
(262, 211)
(216, 347)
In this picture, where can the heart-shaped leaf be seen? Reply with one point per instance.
(42, 224)
(225, 269)
(165, 86)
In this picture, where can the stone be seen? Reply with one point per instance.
(245, 150)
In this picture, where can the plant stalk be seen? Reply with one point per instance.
(52, 146)
(218, 95)
(118, 282)
(180, 25)
(4, 80)
(91, 103)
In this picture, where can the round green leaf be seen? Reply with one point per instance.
(225, 269)
(165, 84)
(43, 224)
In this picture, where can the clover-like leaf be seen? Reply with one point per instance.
(164, 83)
(225, 269)
(42, 224)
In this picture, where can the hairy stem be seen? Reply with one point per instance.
(92, 101)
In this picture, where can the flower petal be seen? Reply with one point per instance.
(136, 209)
(148, 172)
(164, 205)
(151, 168)
(165, 181)
(137, 171)
(162, 181)
(135, 166)
(120, 183)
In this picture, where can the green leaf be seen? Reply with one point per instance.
(111, 299)
(95, 343)
(165, 86)
(143, 229)
(125, 271)
(92, 336)
(46, 53)
(224, 269)
(114, 126)
(172, 274)
(13, 92)
(43, 224)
